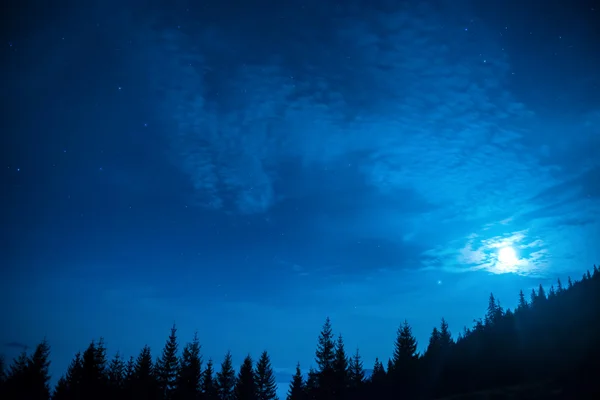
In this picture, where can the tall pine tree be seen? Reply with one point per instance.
(69, 386)
(167, 366)
(405, 348)
(144, 382)
(522, 302)
(116, 377)
(325, 358)
(245, 387)
(38, 376)
(226, 379)
(209, 386)
(340, 369)
(266, 385)
(17, 376)
(356, 372)
(297, 390)
(325, 354)
(94, 380)
(189, 379)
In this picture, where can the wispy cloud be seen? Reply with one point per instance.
(412, 103)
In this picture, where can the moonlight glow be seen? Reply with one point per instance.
(507, 256)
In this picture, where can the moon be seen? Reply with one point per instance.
(507, 256)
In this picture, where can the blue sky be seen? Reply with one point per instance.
(247, 170)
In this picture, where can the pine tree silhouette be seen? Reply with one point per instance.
(17, 377)
(145, 383)
(189, 378)
(245, 387)
(356, 372)
(446, 337)
(405, 347)
(209, 386)
(541, 294)
(297, 390)
(225, 381)
(69, 385)
(434, 343)
(116, 377)
(340, 369)
(266, 385)
(129, 378)
(312, 384)
(38, 374)
(325, 359)
(379, 374)
(560, 288)
(167, 366)
(494, 311)
(522, 302)
(325, 354)
(94, 380)
(533, 298)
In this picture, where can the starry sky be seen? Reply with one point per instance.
(247, 168)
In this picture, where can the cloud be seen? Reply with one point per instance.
(400, 125)
(17, 345)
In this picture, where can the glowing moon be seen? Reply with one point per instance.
(508, 256)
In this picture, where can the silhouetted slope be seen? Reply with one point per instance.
(547, 348)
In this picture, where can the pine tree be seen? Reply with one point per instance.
(325, 358)
(312, 383)
(325, 354)
(245, 387)
(94, 381)
(69, 385)
(116, 377)
(541, 295)
(356, 371)
(189, 379)
(522, 302)
(595, 274)
(144, 383)
(405, 347)
(340, 369)
(38, 377)
(17, 377)
(569, 283)
(226, 379)
(588, 275)
(129, 378)
(167, 366)
(266, 385)
(297, 390)
(533, 297)
(494, 311)
(378, 375)
(560, 286)
(434, 343)
(209, 387)
(445, 336)
(551, 292)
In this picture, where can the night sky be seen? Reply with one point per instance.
(247, 168)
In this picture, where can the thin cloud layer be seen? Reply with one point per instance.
(412, 100)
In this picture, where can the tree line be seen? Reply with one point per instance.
(552, 339)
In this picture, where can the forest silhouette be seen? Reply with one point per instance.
(547, 347)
